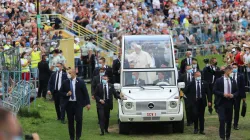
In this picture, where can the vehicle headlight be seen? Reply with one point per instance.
(173, 104)
(129, 105)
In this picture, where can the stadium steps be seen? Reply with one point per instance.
(80, 31)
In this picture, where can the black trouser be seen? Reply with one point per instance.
(211, 86)
(57, 99)
(74, 113)
(104, 113)
(198, 115)
(188, 109)
(62, 105)
(225, 112)
(42, 89)
(237, 103)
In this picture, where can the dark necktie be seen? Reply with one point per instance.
(71, 89)
(198, 90)
(105, 92)
(228, 86)
(234, 77)
(190, 61)
(57, 80)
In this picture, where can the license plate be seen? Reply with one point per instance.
(150, 114)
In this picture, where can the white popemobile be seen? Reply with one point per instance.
(148, 88)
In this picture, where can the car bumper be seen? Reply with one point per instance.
(160, 118)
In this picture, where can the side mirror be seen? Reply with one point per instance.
(181, 85)
(117, 87)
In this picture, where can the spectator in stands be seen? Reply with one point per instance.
(239, 59)
(25, 67)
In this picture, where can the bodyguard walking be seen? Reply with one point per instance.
(226, 90)
(54, 86)
(75, 97)
(239, 78)
(104, 99)
(198, 94)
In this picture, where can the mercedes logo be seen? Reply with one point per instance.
(151, 105)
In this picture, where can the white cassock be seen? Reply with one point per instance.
(141, 60)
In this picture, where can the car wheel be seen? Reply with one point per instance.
(178, 127)
(123, 128)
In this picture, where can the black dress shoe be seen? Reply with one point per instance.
(227, 138)
(195, 131)
(236, 128)
(202, 133)
(106, 131)
(77, 138)
(102, 134)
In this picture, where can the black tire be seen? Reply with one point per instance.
(123, 128)
(178, 127)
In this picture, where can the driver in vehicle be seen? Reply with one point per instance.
(135, 80)
(161, 78)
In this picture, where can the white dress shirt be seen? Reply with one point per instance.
(235, 77)
(189, 77)
(197, 87)
(60, 80)
(189, 61)
(74, 89)
(107, 90)
(226, 85)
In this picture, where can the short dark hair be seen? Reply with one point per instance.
(235, 64)
(43, 57)
(60, 63)
(238, 48)
(229, 67)
(212, 59)
(101, 69)
(103, 59)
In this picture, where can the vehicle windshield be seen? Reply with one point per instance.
(148, 52)
(156, 78)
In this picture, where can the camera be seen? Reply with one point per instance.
(206, 60)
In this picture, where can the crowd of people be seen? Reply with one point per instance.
(226, 83)
(206, 27)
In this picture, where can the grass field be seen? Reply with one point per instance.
(50, 129)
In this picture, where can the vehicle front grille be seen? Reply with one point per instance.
(144, 106)
(151, 118)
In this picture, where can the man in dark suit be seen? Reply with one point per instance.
(239, 78)
(54, 86)
(226, 90)
(187, 61)
(135, 80)
(187, 78)
(108, 69)
(75, 97)
(104, 99)
(95, 81)
(195, 66)
(161, 78)
(210, 74)
(91, 62)
(116, 69)
(44, 75)
(198, 94)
